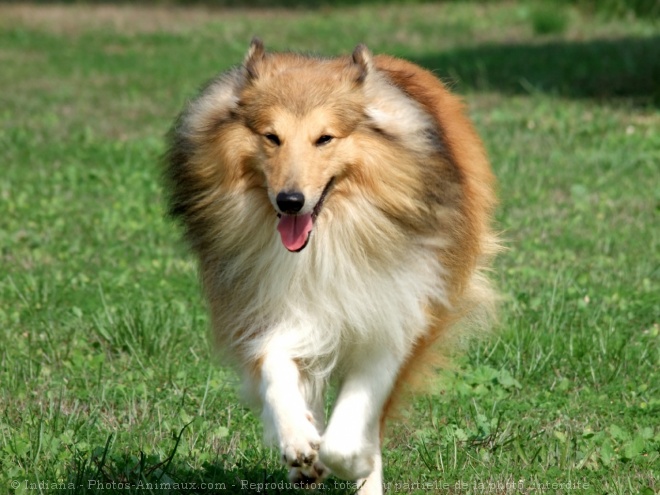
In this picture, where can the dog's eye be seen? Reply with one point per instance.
(273, 138)
(325, 139)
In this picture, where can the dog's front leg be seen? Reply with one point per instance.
(351, 444)
(286, 415)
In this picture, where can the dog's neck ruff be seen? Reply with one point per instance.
(370, 294)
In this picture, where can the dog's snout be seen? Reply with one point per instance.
(290, 202)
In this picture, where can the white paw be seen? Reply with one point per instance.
(348, 457)
(307, 476)
(299, 445)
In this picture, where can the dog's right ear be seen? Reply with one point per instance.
(255, 55)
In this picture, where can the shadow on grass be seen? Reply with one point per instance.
(110, 471)
(599, 69)
(211, 479)
(139, 474)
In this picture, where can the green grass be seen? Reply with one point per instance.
(105, 371)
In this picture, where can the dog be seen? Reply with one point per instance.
(340, 210)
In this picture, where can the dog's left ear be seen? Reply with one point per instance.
(256, 53)
(363, 58)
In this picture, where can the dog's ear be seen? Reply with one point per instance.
(256, 53)
(363, 58)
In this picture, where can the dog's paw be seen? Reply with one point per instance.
(308, 476)
(299, 445)
(349, 458)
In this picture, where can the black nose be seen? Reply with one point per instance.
(290, 202)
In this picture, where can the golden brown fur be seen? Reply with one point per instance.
(475, 244)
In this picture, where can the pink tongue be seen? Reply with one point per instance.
(294, 230)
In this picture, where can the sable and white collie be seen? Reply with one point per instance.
(339, 209)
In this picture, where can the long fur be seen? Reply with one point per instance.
(394, 265)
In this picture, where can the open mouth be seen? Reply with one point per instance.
(295, 230)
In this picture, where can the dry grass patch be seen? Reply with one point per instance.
(128, 19)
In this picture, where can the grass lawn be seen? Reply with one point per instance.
(107, 384)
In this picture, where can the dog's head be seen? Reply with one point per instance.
(304, 111)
